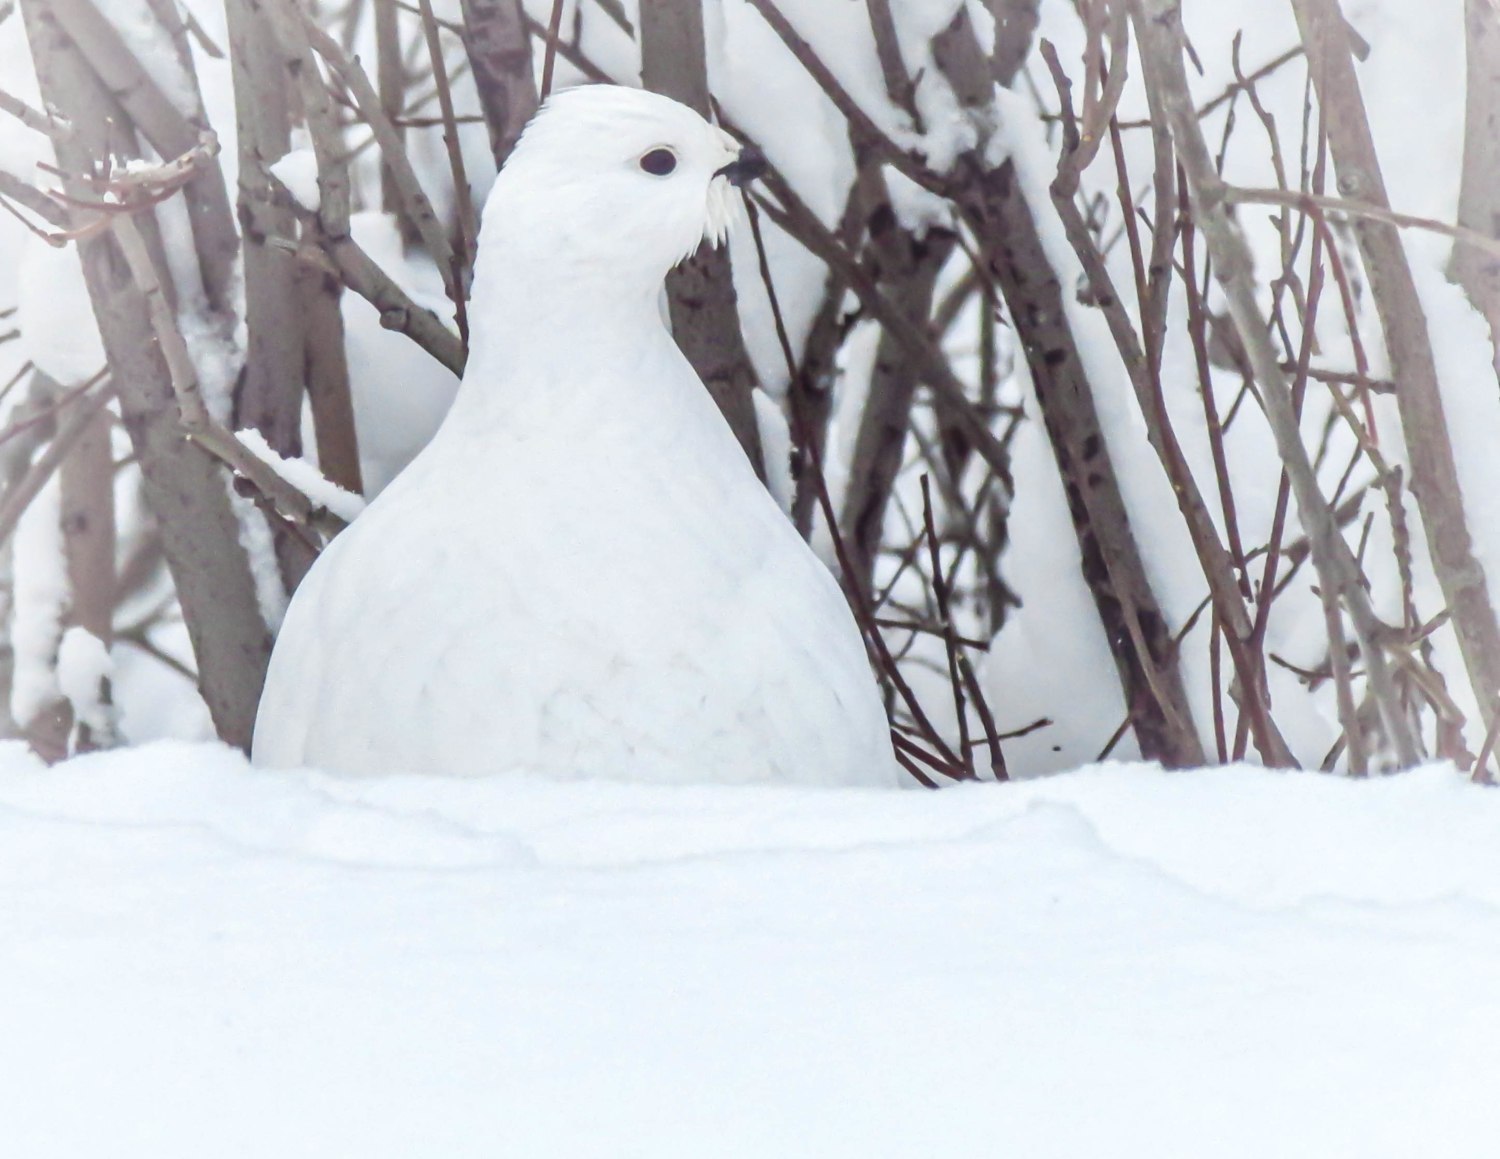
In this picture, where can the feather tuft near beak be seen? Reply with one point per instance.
(750, 164)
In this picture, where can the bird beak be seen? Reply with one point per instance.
(750, 164)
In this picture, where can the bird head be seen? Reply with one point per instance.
(621, 179)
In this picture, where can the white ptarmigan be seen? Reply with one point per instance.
(581, 575)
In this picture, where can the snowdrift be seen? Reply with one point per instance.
(202, 959)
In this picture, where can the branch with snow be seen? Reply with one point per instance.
(320, 491)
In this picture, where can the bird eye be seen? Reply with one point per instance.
(659, 162)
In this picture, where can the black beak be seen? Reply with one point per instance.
(750, 164)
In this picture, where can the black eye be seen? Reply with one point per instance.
(659, 162)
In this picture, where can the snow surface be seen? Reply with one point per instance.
(202, 959)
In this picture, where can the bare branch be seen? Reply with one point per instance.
(1434, 472)
(418, 209)
(398, 312)
(499, 48)
(49, 126)
(183, 487)
(704, 306)
(1158, 24)
(217, 439)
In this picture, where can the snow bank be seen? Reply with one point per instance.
(203, 959)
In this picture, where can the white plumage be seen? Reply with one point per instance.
(581, 575)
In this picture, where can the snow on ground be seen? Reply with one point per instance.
(199, 959)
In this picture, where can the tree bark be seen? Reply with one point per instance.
(185, 489)
(319, 289)
(909, 267)
(499, 48)
(1162, 45)
(704, 308)
(18, 456)
(1479, 198)
(390, 80)
(171, 133)
(1434, 474)
(1015, 32)
(1016, 261)
(88, 524)
(810, 393)
(87, 481)
(269, 395)
(327, 366)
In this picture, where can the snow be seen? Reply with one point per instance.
(180, 252)
(83, 667)
(201, 958)
(55, 316)
(776, 448)
(1465, 358)
(218, 356)
(400, 392)
(917, 209)
(298, 171)
(154, 702)
(205, 959)
(154, 50)
(759, 96)
(259, 546)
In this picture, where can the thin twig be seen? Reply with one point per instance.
(463, 251)
(288, 501)
(1482, 774)
(908, 163)
(1314, 202)
(950, 764)
(20, 496)
(45, 123)
(549, 60)
(51, 409)
(1159, 25)
(418, 207)
(945, 619)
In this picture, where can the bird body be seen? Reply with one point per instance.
(581, 575)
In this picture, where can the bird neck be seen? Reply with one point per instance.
(555, 341)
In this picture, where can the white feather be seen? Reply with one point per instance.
(581, 575)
